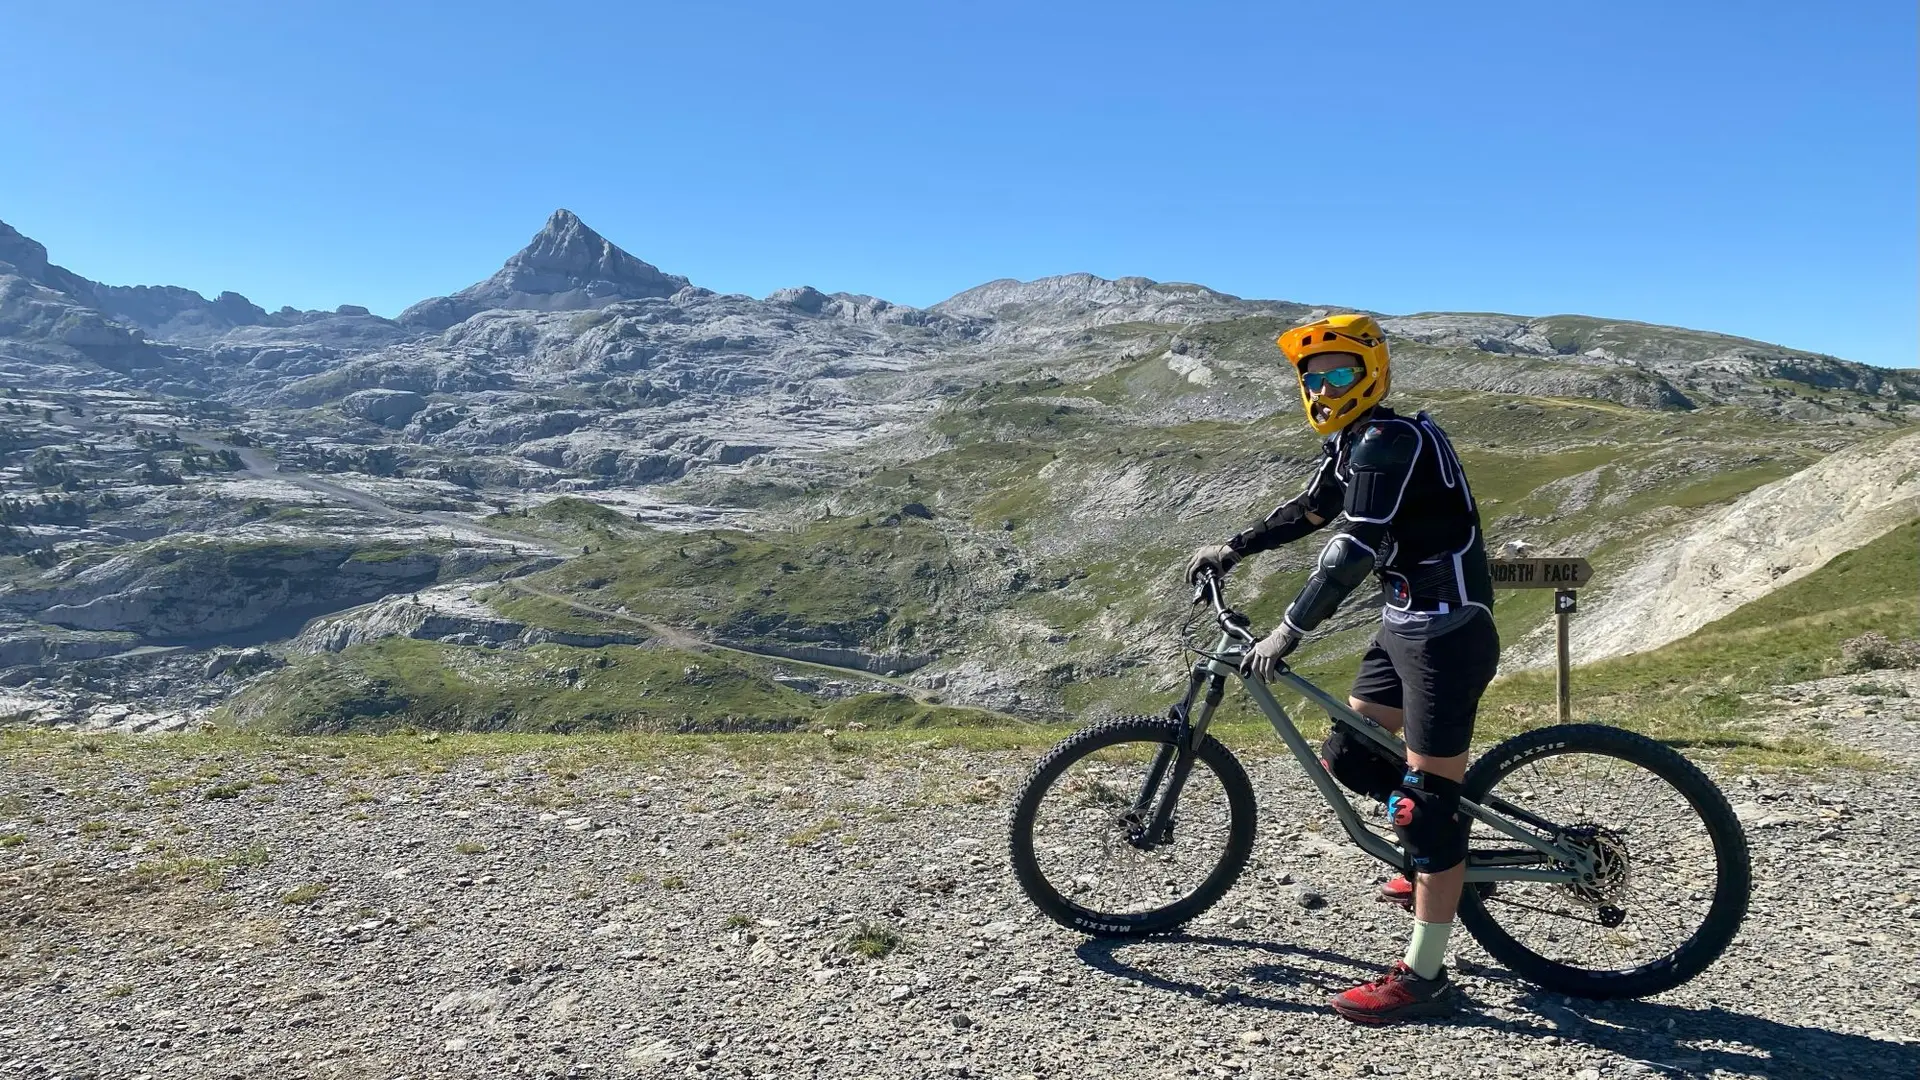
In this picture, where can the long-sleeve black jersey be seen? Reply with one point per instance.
(1392, 491)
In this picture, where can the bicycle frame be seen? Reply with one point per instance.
(1539, 835)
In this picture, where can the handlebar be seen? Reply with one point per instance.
(1206, 588)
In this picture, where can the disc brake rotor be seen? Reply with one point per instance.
(1612, 871)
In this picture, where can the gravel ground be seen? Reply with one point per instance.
(183, 909)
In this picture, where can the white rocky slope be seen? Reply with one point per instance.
(1771, 537)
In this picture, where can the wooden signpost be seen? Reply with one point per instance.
(1563, 576)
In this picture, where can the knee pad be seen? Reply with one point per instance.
(1425, 811)
(1358, 766)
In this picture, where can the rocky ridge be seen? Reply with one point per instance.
(164, 313)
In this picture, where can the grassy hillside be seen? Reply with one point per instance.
(1699, 693)
(861, 582)
(1028, 532)
(1045, 561)
(1063, 499)
(398, 684)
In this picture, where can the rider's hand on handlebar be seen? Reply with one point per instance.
(1264, 659)
(1218, 558)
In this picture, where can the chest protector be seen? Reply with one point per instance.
(1407, 491)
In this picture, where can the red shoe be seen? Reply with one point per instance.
(1398, 995)
(1398, 891)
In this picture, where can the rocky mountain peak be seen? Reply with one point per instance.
(566, 266)
(27, 255)
(566, 245)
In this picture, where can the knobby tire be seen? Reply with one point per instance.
(1211, 754)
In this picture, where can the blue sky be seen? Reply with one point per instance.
(1747, 168)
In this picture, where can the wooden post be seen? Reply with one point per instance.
(1560, 683)
(1564, 604)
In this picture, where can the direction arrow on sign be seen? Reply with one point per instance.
(1540, 573)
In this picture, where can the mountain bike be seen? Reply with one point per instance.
(1601, 863)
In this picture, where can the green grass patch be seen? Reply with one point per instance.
(381, 553)
(873, 941)
(397, 684)
(1877, 689)
(210, 871)
(879, 711)
(824, 827)
(568, 510)
(551, 614)
(304, 894)
(872, 582)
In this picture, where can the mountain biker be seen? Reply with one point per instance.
(1394, 493)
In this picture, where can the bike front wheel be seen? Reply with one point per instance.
(1078, 834)
(1672, 874)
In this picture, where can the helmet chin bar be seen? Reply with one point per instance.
(1322, 412)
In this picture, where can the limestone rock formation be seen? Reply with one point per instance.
(392, 408)
(191, 588)
(1771, 537)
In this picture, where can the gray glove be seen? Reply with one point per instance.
(1264, 659)
(1218, 558)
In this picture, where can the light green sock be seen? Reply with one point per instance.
(1427, 953)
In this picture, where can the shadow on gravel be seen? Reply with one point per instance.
(1662, 1040)
(1681, 1041)
(1292, 967)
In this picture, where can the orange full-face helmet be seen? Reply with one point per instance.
(1355, 335)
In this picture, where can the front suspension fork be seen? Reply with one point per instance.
(1158, 829)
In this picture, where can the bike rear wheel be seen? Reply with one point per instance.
(1077, 834)
(1673, 875)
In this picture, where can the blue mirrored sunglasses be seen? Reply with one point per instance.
(1339, 378)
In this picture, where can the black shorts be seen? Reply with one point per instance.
(1437, 680)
